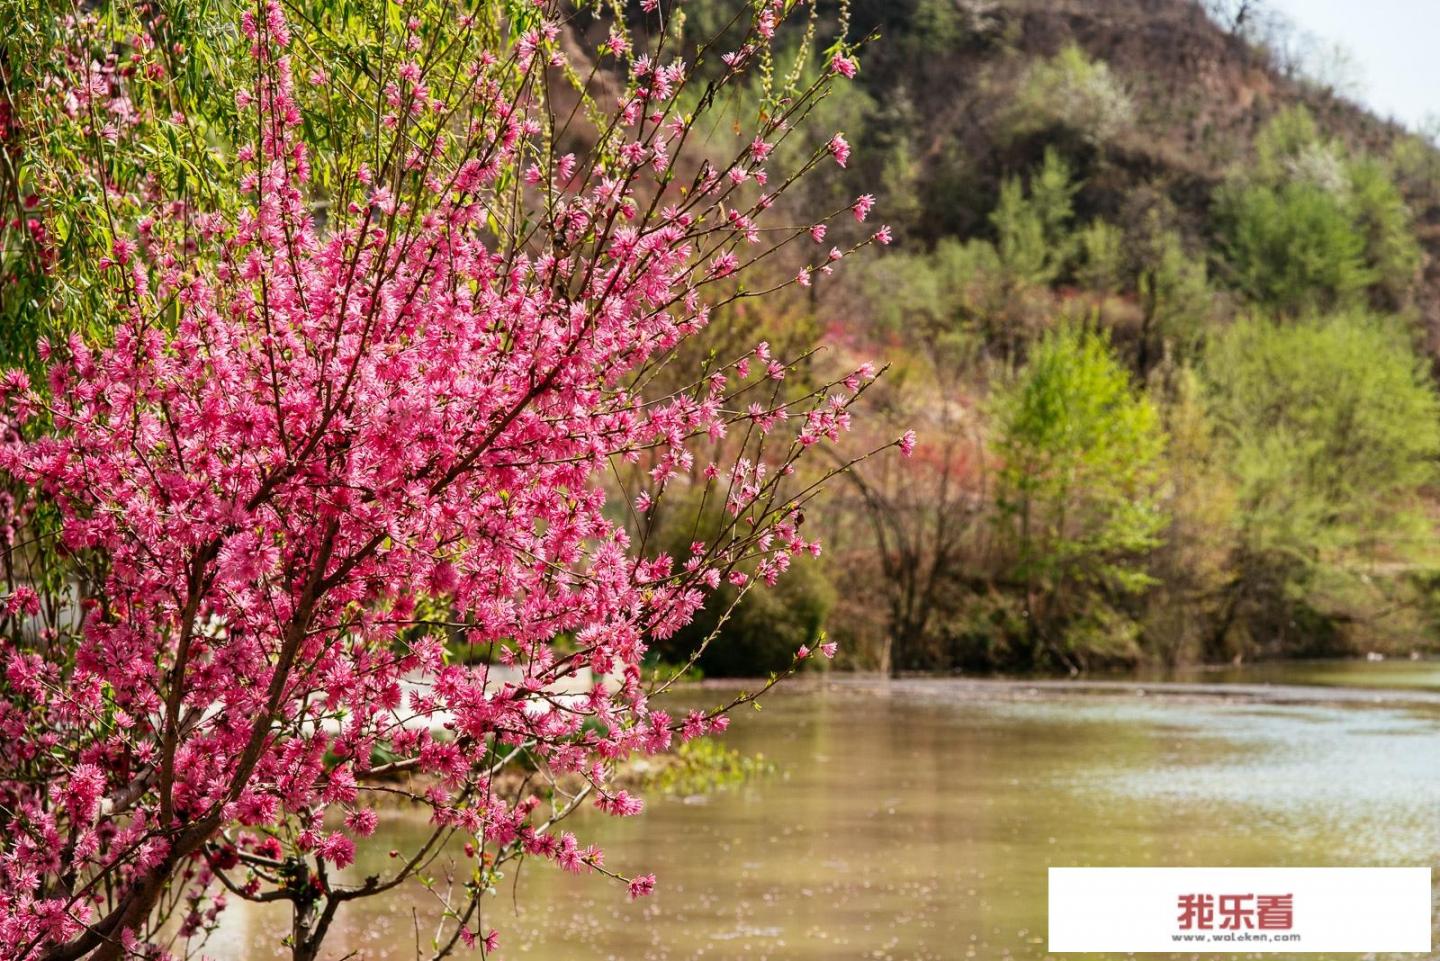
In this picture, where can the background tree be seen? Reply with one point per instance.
(1330, 425)
(1032, 225)
(1292, 247)
(1076, 492)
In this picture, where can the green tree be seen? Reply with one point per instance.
(1288, 136)
(1383, 220)
(1175, 297)
(1293, 247)
(1073, 91)
(1193, 565)
(1330, 427)
(1032, 227)
(1102, 257)
(1313, 224)
(1077, 493)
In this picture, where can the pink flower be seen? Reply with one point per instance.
(828, 649)
(24, 600)
(82, 794)
(244, 559)
(839, 149)
(338, 849)
(621, 804)
(843, 65)
(862, 206)
(695, 725)
(907, 443)
(883, 236)
(642, 886)
(362, 821)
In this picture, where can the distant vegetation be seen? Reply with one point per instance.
(1163, 309)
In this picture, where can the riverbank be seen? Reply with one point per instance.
(1394, 682)
(981, 689)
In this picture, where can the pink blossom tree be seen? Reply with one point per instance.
(314, 459)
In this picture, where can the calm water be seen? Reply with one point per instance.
(916, 821)
(1402, 674)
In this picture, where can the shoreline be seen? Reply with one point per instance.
(1031, 689)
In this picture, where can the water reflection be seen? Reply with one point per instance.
(1388, 674)
(916, 821)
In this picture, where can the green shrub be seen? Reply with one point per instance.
(1073, 91)
(1077, 491)
(702, 766)
(1288, 135)
(764, 630)
(1102, 257)
(1383, 220)
(1313, 225)
(1330, 427)
(1293, 247)
(1033, 227)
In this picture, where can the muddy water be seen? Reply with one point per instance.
(915, 820)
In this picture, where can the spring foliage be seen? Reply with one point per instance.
(1077, 485)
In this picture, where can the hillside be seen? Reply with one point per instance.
(1177, 108)
(1165, 313)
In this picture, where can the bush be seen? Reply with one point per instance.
(767, 625)
(1316, 225)
(1032, 227)
(1073, 91)
(1293, 247)
(1383, 220)
(1077, 492)
(1194, 564)
(1102, 257)
(1330, 427)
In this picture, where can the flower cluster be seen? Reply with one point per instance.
(312, 464)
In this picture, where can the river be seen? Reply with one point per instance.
(914, 820)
